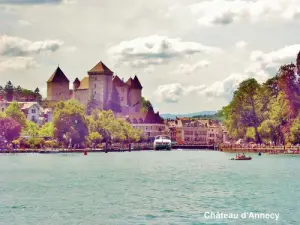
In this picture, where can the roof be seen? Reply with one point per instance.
(58, 76)
(76, 81)
(84, 84)
(100, 69)
(149, 117)
(137, 83)
(117, 81)
(134, 83)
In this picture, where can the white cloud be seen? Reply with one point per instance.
(155, 50)
(224, 88)
(241, 44)
(277, 57)
(34, 2)
(24, 23)
(191, 68)
(172, 93)
(224, 12)
(16, 46)
(17, 63)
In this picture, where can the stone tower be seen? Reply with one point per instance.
(100, 85)
(58, 86)
(135, 93)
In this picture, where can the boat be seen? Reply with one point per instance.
(242, 157)
(162, 142)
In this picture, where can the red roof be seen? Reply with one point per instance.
(58, 76)
(100, 69)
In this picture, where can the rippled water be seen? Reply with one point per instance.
(175, 187)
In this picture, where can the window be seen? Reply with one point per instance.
(33, 118)
(95, 85)
(33, 111)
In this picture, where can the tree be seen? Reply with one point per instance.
(244, 110)
(295, 131)
(94, 137)
(37, 95)
(2, 93)
(47, 130)
(9, 91)
(31, 129)
(14, 111)
(9, 128)
(70, 122)
(146, 105)
(18, 92)
(279, 114)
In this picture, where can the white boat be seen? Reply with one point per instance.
(162, 142)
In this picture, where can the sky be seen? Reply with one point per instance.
(189, 55)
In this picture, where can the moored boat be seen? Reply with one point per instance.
(241, 157)
(162, 142)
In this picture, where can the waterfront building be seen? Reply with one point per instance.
(149, 122)
(196, 131)
(100, 87)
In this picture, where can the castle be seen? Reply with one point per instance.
(101, 88)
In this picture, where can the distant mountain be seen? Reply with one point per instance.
(173, 116)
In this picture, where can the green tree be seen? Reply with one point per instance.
(31, 129)
(244, 110)
(47, 130)
(70, 122)
(295, 131)
(146, 105)
(94, 137)
(279, 114)
(9, 91)
(14, 111)
(37, 95)
(9, 128)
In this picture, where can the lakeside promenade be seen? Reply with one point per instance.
(270, 149)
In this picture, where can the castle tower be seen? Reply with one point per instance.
(76, 84)
(58, 86)
(100, 85)
(135, 93)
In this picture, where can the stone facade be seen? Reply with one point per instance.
(100, 87)
(202, 132)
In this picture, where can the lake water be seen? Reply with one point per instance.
(175, 187)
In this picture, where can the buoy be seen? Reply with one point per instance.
(85, 153)
(259, 153)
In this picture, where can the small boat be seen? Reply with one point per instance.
(162, 142)
(242, 157)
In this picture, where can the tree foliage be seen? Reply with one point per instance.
(70, 122)
(14, 111)
(269, 110)
(9, 128)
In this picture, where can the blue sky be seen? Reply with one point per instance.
(189, 55)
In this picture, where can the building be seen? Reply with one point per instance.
(150, 123)
(196, 131)
(32, 110)
(100, 87)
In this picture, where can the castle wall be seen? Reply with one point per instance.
(58, 91)
(135, 96)
(81, 95)
(123, 94)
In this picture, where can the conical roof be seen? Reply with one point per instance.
(134, 83)
(117, 81)
(137, 83)
(76, 81)
(58, 76)
(100, 68)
